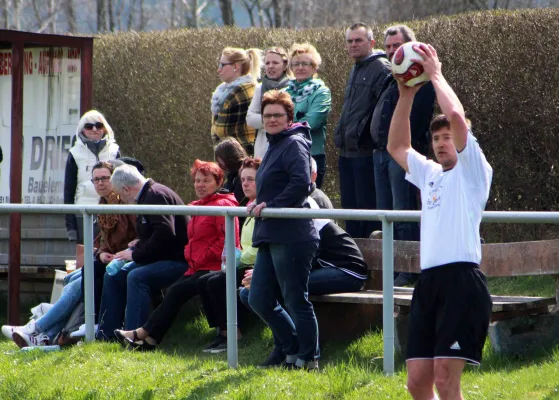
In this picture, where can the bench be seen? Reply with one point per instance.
(516, 321)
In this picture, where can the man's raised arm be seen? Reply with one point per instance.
(399, 135)
(447, 99)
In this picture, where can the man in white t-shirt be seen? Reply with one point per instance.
(451, 306)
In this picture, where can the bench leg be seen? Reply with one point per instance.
(556, 308)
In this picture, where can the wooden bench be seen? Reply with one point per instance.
(498, 260)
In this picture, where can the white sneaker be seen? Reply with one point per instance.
(23, 339)
(9, 330)
(81, 331)
(40, 310)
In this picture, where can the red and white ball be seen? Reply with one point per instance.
(406, 71)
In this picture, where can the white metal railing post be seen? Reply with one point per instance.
(87, 276)
(231, 292)
(388, 294)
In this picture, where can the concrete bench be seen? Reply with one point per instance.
(519, 323)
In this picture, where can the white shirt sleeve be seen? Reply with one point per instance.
(475, 168)
(418, 167)
(254, 118)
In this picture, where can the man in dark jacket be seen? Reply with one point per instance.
(393, 191)
(157, 257)
(351, 136)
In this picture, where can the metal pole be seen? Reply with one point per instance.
(388, 294)
(231, 280)
(87, 275)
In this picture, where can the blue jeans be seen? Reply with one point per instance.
(357, 191)
(289, 266)
(127, 294)
(54, 320)
(394, 192)
(321, 281)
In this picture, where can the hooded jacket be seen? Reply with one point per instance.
(363, 88)
(206, 235)
(284, 180)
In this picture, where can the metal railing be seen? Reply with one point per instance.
(386, 217)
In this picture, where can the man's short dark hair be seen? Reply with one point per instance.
(407, 33)
(367, 28)
(439, 122)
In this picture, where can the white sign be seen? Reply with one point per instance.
(51, 111)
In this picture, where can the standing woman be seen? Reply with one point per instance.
(276, 76)
(239, 70)
(95, 142)
(312, 100)
(286, 247)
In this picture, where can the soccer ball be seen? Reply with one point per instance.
(407, 72)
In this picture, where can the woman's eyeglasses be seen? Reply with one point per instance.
(89, 126)
(274, 116)
(221, 65)
(103, 179)
(301, 64)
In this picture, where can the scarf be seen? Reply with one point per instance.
(300, 91)
(94, 147)
(107, 222)
(223, 90)
(271, 84)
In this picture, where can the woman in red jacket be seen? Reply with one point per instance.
(206, 235)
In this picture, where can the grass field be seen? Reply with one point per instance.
(179, 370)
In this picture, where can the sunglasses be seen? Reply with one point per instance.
(89, 126)
(221, 65)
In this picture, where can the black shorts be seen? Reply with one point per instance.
(450, 313)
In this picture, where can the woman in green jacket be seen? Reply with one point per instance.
(312, 100)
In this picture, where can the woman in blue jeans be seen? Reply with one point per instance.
(286, 247)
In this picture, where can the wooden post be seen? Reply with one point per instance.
(15, 183)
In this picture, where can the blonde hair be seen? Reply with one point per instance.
(250, 60)
(282, 53)
(93, 116)
(305, 48)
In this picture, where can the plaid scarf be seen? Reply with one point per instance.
(300, 91)
(223, 90)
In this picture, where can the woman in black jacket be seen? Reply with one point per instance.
(286, 247)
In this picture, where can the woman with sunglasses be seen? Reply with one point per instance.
(94, 142)
(239, 70)
(312, 100)
(276, 76)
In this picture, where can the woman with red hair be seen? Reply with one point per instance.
(206, 236)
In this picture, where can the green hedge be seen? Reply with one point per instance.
(155, 90)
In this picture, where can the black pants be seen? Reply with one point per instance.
(212, 290)
(98, 275)
(177, 295)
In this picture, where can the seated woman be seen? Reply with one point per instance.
(206, 236)
(212, 286)
(116, 232)
(229, 155)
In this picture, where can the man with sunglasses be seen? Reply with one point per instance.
(94, 142)
(352, 137)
